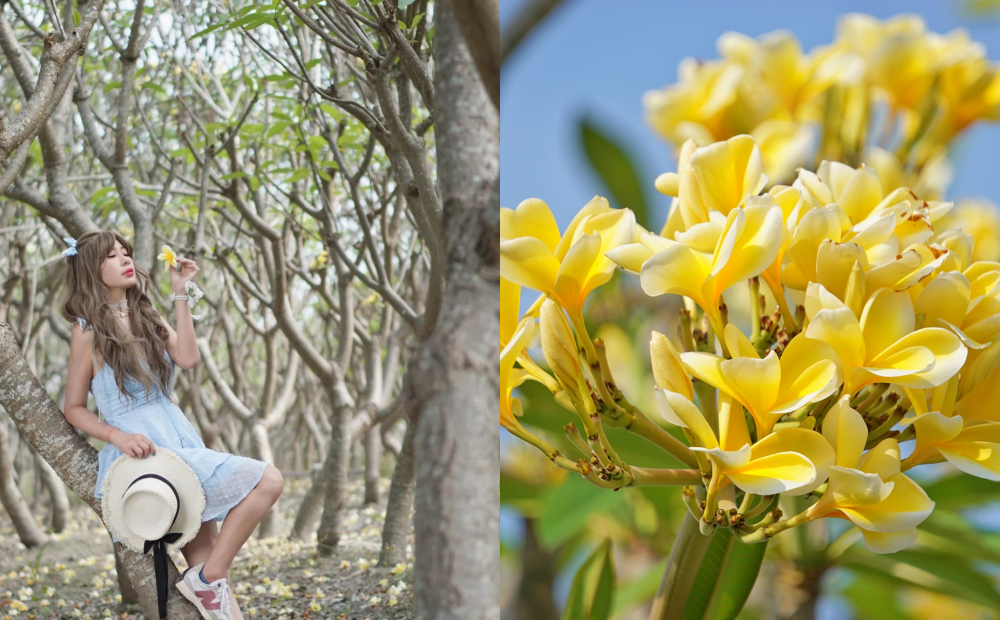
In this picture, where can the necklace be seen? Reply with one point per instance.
(119, 308)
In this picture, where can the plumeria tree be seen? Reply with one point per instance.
(837, 326)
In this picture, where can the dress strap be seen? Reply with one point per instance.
(93, 351)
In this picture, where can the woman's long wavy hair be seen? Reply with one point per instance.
(139, 354)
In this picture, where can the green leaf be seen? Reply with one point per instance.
(928, 570)
(416, 20)
(639, 590)
(298, 175)
(616, 169)
(101, 193)
(235, 175)
(112, 85)
(204, 32)
(593, 587)
(402, 4)
(154, 87)
(949, 533)
(566, 509)
(727, 573)
(254, 184)
(276, 129)
(76, 17)
(872, 599)
(961, 491)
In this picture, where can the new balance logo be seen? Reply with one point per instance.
(208, 600)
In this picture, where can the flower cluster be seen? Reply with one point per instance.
(885, 331)
(912, 88)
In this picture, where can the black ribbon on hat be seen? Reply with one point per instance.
(159, 547)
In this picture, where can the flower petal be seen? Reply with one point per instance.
(775, 473)
(906, 506)
(846, 431)
(755, 380)
(889, 542)
(529, 262)
(677, 270)
(680, 411)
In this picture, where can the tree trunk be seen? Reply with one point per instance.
(43, 425)
(58, 500)
(397, 511)
(268, 527)
(28, 532)
(373, 458)
(335, 469)
(538, 573)
(129, 595)
(455, 386)
(310, 509)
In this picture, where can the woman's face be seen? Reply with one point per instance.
(118, 270)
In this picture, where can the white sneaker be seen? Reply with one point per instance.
(212, 599)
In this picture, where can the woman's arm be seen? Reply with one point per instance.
(181, 343)
(79, 373)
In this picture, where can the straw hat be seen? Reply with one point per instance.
(145, 499)
(153, 503)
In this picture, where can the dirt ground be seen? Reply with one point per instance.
(74, 578)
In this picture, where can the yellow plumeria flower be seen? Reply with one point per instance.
(869, 489)
(768, 387)
(710, 257)
(719, 177)
(793, 460)
(967, 303)
(972, 448)
(167, 254)
(566, 267)
(883, 345)
(981, 220)
(694, 107)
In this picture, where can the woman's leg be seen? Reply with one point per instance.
(241, 521)
(199, 549)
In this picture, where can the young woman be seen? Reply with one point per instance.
(124, 353)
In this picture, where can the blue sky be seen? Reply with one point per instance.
(597, 58)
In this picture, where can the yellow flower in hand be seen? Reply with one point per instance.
(167, 254)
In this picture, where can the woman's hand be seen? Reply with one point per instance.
(178, 279)
(133, 444)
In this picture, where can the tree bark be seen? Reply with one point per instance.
(335, 469)
(373, 458)
(399, 506)
(310, 509)
(43, 425)
(28, 532)
(58, 501)
(453, 379)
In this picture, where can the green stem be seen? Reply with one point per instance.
(644, 427)
(682, 569)
(643, 477)
(706, 402)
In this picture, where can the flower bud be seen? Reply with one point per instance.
(668, 372)
(559, 345)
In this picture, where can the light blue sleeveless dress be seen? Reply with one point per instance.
(225, 478)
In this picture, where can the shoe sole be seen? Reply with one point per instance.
(194, 600)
